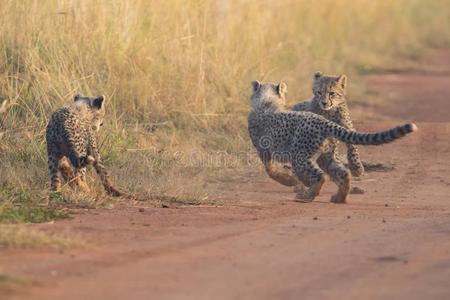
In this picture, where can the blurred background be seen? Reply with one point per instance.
(177, 74)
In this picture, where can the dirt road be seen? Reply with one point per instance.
(392, 242)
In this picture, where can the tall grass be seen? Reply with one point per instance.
(176, 73)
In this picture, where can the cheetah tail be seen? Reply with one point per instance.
(376, 138)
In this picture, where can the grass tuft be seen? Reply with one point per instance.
(17, 236)
(11, 284)
(24, 214)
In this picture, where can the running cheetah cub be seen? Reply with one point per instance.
(71, 134)
(300, 138)
(329, 101)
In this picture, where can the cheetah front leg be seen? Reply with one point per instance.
(342, 177)
(312, 176)
(354, 161)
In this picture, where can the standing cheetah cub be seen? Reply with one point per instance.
(329, 101)
(300, 138)
(71, 134)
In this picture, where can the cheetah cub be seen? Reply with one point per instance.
(329, 101)
(300, 138)
(71, 134)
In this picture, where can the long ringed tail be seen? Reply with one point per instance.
(376, 138)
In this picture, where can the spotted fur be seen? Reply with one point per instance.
(300, 138)
(329, 101)
(72, 144)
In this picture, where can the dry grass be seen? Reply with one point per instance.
(18, 236)
(176, 74)
(11, 284)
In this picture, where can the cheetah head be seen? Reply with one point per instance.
(329, 91)
(268, 95)
(93, 109)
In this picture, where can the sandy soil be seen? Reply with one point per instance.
(392, 242)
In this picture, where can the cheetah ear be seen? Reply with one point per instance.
(77, 97)
(255, 86)
(98, 102)
(317, 75)
(342, 81)
(282, 88)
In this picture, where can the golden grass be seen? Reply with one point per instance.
(18, 236)
(176, 74)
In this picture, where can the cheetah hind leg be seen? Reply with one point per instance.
(313, 177)
(281, 177)
(104, 177)
(342, 177)
(53, 166)
(299, 187)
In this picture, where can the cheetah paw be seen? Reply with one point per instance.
(113, 192)
(357, 190)
(338, 199)
(304, 198)
(300, 189)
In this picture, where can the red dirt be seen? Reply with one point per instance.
(391, 242)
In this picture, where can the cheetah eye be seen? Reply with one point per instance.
(332, 94)
(319, 93)
(101, 124)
